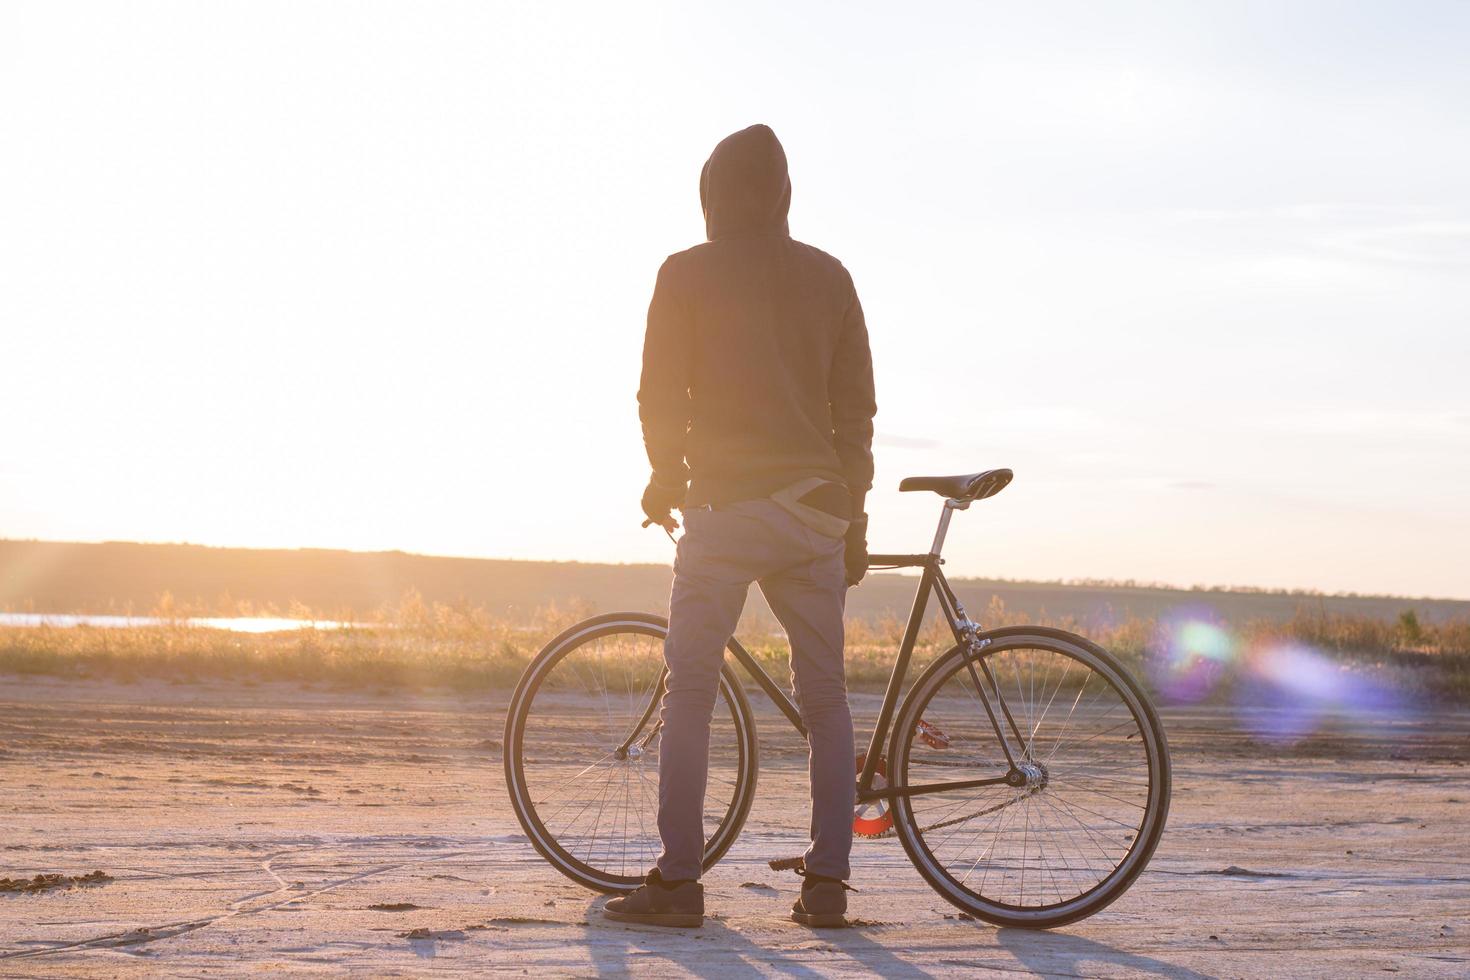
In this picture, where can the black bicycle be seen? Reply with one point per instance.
(1026, 774)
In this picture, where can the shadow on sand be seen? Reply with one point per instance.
(1060, 952)
(716, 950)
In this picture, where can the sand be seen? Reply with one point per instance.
(267, 828)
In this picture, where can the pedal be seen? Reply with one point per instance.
(788, 864)
(931, 735)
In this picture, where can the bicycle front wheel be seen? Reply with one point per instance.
(582, 746)
(1091, 767)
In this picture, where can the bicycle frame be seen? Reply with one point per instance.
(966, 632)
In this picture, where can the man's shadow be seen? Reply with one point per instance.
(619, 948)
(716, 950)
(1062, 953)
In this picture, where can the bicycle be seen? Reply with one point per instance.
(1001, 761)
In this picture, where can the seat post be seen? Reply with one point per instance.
(950, 506)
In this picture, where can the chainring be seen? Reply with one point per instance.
(873, 818)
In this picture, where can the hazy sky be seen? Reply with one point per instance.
(374, 275)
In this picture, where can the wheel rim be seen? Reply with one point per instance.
(1091, 805)
(590, 809)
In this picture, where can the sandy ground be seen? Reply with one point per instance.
(255, 829)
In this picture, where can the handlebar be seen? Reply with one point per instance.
(668, 524)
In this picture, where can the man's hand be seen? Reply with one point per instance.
(659, 499)
(856, 557)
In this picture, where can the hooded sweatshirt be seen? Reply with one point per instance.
(756, 366)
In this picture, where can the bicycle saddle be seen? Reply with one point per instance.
(968, 486)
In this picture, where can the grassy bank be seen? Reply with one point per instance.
(417, 645)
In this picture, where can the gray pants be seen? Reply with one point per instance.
(801, 573)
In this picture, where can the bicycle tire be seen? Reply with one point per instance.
(521, 709)
(911, 829)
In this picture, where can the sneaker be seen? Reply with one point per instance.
(823, 902)
(660, 903)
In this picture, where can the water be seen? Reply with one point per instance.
(234, 624)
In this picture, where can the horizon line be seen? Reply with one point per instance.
(1077, 583)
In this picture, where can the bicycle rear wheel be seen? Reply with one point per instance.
(582, 746)
(1096, 778)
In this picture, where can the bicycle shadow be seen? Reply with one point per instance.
(1052, 953)
(716, 950)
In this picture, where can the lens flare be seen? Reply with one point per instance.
(1282, 690)
(1192, 653)
(1288, 691)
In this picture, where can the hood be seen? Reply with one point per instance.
(744, 187)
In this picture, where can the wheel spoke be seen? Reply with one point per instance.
(1054, 841)
(591, 809)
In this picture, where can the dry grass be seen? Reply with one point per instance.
(416, 645)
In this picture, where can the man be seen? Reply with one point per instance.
(757, 408)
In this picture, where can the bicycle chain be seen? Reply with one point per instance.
(953, 820)
(890, 832)
(978, 813)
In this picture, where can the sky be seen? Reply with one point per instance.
(374, 276)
